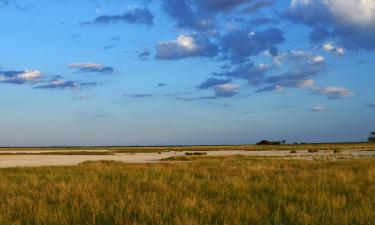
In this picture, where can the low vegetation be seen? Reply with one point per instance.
(218, 190)
(160, 149)
(195, 153)
(59, 153)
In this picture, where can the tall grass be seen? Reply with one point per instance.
(230, 190)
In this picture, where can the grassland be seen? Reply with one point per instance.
(217, 190)
(156, 149)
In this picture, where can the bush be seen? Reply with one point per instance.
(265, 142)
(313, 150)
(293, 151)
(336, 151)
(195, 153)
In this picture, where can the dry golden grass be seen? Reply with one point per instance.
(219, 190)
(157, 149)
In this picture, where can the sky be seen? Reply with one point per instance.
(186, 72)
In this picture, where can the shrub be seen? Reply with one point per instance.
(195, 153)
(313, 150)
(336, 151)
(293, 151)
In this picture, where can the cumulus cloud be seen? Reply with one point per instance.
(222, 88)
(293, 69)
(351, 22)
(199, 15)
(329, 47)
(333, 92)
(91, 68)
(225, 90)
(239, 45)
(254, 74)
(319, 109)
(185, 16)
(203, 15)
(300, 70)
(186, 46)
(135, 15)
(20, 77)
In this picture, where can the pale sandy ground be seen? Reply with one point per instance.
(7, 161)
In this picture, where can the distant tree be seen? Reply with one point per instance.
(372, 137)
(283, 142)
(265, 142)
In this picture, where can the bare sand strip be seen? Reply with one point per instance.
(7, 161)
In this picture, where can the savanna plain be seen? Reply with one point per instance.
(311, 184)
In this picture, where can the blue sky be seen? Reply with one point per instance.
(165, 72)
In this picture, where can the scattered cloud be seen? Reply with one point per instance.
(254, 74)
(108, 47)
(212, 82)
(20, 77)
(332, 92)
(202, 15)
(91, 68)
(162, 84)
(222, 88)
(144, 55)
(239, 45)
(319, 109)
(258, 5)
(350, 23)
(59, 84)
(186, 46)
(226, 90)
(329, 47)
(300, 69)
(140, 95)
(116, 38)
(135, 15)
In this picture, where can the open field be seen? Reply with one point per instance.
(209, 190)
(148, 149)
(33, 157)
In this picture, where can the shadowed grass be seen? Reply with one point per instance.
(222, 190)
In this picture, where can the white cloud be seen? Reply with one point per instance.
(185, 46)
(298, 57)
(352, 12)
(333, 92)
(350, 22)
(20, 77)
(226, 90)
(307, 83)
(345, 12)
(329, 47)
(318, 59)
(319, 109)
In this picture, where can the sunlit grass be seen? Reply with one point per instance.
(159, 149)
(218, 190)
